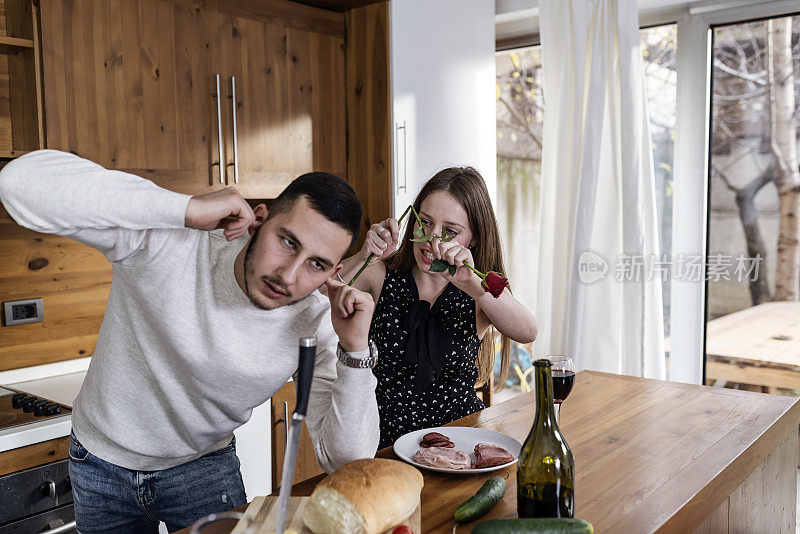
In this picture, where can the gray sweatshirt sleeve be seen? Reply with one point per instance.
(342, 412)
(60, 193)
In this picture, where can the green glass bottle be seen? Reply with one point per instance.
(545, 472)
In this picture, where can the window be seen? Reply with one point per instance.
(520, 116)
(519, 157)
(752, 191)
(659, 50)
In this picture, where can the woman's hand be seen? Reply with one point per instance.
(381, 240)
(456, 254)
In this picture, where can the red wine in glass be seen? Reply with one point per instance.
(563, 371)
(562, 384)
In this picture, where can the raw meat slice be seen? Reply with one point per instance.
(488, 455)
(443, 458)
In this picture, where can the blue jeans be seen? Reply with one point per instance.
(112, 499)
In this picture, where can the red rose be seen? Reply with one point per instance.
(494, 284)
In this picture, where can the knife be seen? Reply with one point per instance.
(305, 371)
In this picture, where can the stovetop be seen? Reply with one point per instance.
(18, 408)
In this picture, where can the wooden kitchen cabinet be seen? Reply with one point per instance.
(29, 456)
(21, 114)
(290, 97)
(283, 403)
(131, 85)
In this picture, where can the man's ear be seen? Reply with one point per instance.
(261, 213)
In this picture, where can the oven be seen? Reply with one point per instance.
(37, 500)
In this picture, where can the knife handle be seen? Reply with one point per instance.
(305, 372)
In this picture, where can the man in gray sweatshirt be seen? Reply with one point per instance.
(207, 303)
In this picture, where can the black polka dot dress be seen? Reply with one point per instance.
(426, 369)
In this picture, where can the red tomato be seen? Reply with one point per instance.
(402, 529)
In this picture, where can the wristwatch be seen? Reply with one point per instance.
(358, 363)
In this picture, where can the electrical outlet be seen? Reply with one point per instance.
(23, 311)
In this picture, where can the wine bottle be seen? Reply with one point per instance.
(545, 472)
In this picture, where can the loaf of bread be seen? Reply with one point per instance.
(364, 497)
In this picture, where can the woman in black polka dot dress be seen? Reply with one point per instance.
(435, 332)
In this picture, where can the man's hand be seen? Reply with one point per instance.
(351, 315)
(221, 209)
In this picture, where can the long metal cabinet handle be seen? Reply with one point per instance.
(285, 424)
(219, 130)
(235, 140)
(404, 160)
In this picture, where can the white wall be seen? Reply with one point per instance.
(443, 84)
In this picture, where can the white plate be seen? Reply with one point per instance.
(465, 438)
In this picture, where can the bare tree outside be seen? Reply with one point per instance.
(754, 159)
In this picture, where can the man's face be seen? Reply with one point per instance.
(292, 254)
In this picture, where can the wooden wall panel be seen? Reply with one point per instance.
(73, 279)
(369, 157)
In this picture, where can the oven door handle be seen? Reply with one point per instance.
(67, 527)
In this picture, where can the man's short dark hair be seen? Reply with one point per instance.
(327, 194)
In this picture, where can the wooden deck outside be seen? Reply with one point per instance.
(758, 346)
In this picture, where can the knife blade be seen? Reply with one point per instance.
(305, 372)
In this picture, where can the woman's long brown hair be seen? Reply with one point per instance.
(466, 185)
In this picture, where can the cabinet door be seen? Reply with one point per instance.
(130, 84)
(290, 109)
(283, 403)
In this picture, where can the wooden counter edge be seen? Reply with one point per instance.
(693, 509)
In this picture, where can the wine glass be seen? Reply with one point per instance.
(563, 370)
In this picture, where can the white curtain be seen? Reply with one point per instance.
(599, 290)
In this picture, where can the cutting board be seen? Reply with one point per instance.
(263, 511)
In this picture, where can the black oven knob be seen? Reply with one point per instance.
(17, 398)
(38, 407)
(52, 409)
(48, 489)
(27, 404)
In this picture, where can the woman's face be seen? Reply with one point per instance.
(443, 215)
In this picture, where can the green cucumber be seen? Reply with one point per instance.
(540, 525)
(484, 500)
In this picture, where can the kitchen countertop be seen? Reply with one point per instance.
(649, 456)
(62, 389)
